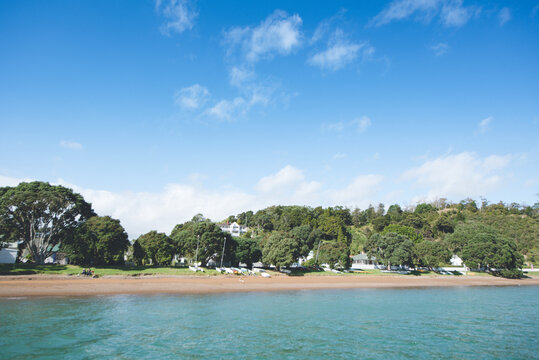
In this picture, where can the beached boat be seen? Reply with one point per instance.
(265, 274)
(195, 268)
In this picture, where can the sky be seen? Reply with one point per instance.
(158, 110)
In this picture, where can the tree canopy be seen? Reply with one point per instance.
(98, 241)
(41, 215)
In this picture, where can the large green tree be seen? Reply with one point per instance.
(280, 249)
(207, 237)
(101, 240)
(248, 251)
(41, 215)
(158, 247)
(335, 254)
(432, 254)
(391, 249)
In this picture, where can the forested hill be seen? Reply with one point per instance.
(433, 222)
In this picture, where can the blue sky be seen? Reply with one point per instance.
(156, 111)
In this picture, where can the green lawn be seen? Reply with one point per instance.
(24, 269)
(29, 269)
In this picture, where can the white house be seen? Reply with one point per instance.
(455, 260)
(364, 262)
(234, 229)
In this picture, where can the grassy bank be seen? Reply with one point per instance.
(24, 269)
(30, 269)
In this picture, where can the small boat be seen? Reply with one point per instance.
(265, 274)
(195, 268)
(219, 270)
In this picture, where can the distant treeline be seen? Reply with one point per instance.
(498, 237)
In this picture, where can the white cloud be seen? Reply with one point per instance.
(277, 34)
(285, 177)
(180, 15)
(439, 49)
(504, 16)
(458, 176)
(454, 14)
(240, 75)
(451, 12)
(72, 145)
(360, 124)
(483, 124)
(191, 97)
(359, 193)
(229, 109)
(363, 123)
(339, 51)
(339, 156)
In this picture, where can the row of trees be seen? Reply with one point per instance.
(491, 235)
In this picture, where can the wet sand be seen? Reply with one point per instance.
(42, 285)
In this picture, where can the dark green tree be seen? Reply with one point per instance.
(207, 237)
(248, 251)
(138, 253)
(335, 254)
(41, 215)
(158, 247)
(432, 254)
(407, 231)
(101, 240)
(391, 249)
(280, 249)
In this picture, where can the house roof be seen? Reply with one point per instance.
(363, 257)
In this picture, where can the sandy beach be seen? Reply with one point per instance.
(36, 285)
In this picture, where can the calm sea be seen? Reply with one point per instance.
(455, 323)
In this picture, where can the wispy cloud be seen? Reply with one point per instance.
(339, 156)
(439, 49)
(192, 97)
(483, 125)
(451, 13)
(180, 15)
(279, 33)
(72, 145)
(360, 124)
(504, 16)
(459, 176)
(339, 52)
(363, 123)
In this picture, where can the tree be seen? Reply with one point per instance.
(138, 253)
(432, 254)
(424, 208)
(248, 251)
(207, 237)
(380, 223)
(280, 249)
(444, 224)
(404, 230)
(101, 240)
(335, 254)
(41, 215)
(391, 248)
(481, 246)
(158, 247)
(307, 237)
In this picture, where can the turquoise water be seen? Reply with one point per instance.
(456, 323)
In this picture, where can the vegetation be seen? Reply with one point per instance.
(499, 238)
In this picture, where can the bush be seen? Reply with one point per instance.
(510, 274)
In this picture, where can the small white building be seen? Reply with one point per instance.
(364, 262)
(456, 260)
(234, 229)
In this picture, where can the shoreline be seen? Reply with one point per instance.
(60, 286)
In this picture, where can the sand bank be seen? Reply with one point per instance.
(35, 285)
